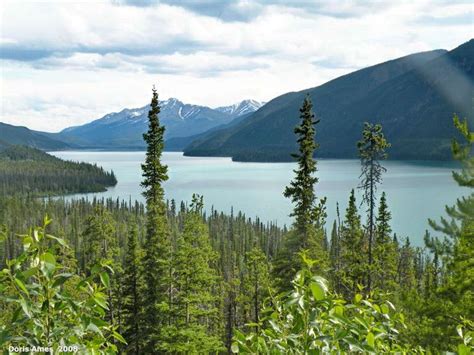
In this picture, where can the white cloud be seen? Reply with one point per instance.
(67, 62)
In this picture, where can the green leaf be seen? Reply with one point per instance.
(61, 278)
(119, 337)
(30, 272)
(318, 291)
(357, 298)
(464, 349)
(95, 269)
(104, 278)
(99, 322)
(339, 310)
(370, 339)
(27, 241)
(21, 285)
(92, 327)
(100, 301)
(59, 240)
(25, 308)
(49, 261)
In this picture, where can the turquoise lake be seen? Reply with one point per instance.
(415, 191)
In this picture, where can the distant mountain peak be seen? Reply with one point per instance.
(172, 101)
(241, 108)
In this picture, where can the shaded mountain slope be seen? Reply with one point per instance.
(414, 98)
(18, 135)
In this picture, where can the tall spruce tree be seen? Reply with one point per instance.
(309, 212)
(157, 242)
(372, 149)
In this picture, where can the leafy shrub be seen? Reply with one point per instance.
(311, 320)
(44, 303)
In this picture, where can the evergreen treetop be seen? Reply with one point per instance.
(308, 213)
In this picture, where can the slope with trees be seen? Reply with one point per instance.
(412, 97)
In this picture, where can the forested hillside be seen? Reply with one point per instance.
(165, 277)
(412, 97)
(29, 171)
(15, 135)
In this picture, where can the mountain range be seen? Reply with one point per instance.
(124, 129)
(413, 97)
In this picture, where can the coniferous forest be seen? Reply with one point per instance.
(118, 276)
(29, 171)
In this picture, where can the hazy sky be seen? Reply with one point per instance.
(66, 62)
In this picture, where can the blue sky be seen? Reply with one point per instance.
(67, 62)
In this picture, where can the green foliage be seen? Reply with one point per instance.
(310, 319)
(47, 305)
(30, 171)
(466, 331)
(455, 296)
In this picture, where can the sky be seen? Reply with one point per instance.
(66, 63)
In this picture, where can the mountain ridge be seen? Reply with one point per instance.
(20, 135)
(376, 94)
(124, 129)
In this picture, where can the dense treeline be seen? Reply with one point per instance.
(26, 170)
(172, 279)
(84, 225)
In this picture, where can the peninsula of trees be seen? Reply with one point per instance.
(29, 171)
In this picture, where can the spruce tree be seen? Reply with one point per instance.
(100, 248)
(99, 242)
(307, 212)
(385, 251)
(352, 259)
(371, 148)
(193, 309)
(255, 284)
(132, 284)
(157, 243)
(334, 256)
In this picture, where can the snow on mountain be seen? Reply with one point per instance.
(241, 108)
(181, 120)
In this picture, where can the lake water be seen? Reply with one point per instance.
(415, 191)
